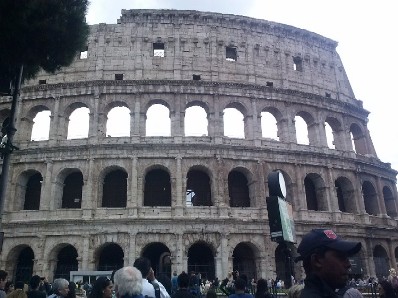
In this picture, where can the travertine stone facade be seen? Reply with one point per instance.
(272, 68)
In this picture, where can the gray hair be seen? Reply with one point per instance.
(59, 283)
(128, 280)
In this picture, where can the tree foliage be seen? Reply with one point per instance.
(40, 34)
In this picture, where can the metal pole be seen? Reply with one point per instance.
(10, 135)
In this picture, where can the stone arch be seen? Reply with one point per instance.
(157, 186)
(157, 122)
(315, 192)
(198, 103)
(160, 256)
(77, 121)
(396, 254)
(201, 259)
(358, 139)
(345, 193)
(381, 261)
(245, 256)
(118, 118)
(234, 126)
(109, 257)
(68, 186)
(389, 201)
(338, 134)
(28, 190)
(20, 263)
(199, 186)
(370, 198)
(267, 123)
(310, 128)
(113, 188)
(66, 261)
(241, 190)
(196, 115)
(27, 123)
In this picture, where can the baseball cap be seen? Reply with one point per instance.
(317, 238)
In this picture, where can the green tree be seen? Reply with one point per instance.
(40, 34)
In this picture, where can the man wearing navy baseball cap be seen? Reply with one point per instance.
(325, 262)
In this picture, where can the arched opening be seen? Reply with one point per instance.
(66, 262)
(389, 202)
(244, 260)
(201, 260)
(114, 192)
(315, 192)
(370, 198)
(118, 122)
(111, 257)
(284, 262)
(157, 191)
(345, 195)
(41, 126)
(329, 136)
(301, 130)
(396, 254)
(158, 121)
(269, 128)
(198, 189)
(159, 255)
(335, 135)
(33, 192)
(24, 266)
(72, 191)
(358, 139)
(234, 125)
(195, 122)
(381, 261)
(238, 190)
(79, 121)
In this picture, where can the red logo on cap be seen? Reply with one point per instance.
(330, 234)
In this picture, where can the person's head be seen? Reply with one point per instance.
(386, 290)
(211, 294)
(102, 288)
(19, 285)
(295, 291)
(240, 284)
(174, 273)
(61, 287)
(326, 255)
(262, 286)
(3, 279)
(35, 281)
(183, 280)
(128, 281)
(144, 265)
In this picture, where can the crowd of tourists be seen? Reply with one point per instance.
(323, 253)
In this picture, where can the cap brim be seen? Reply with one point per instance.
(348, 247)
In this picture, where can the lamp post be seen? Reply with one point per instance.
(8, 146)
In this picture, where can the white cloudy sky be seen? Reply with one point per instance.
(366, 30)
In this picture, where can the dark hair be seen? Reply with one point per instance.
(307, 260)
(35, 282)
(19, 285)
(100, 284)
(8, 285)
(72, 290)
(3, 275)
(240, 284)
(183, 280)
(144, 265)
(388, 289)
(262, 287)
(211, 294)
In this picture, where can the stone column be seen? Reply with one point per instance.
(54, 122)
(333, 200)
(300, 198)
(380, 198)
(180, 258)
(136, 120)
(132, 201)
(224, 255)
(85, 253)
(358, 194)
(178, 202)
(87, 199)
(93, 132)
(46, 189)
(131, 253)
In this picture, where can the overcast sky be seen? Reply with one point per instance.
(367, 33)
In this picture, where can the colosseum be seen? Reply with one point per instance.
(175, 183)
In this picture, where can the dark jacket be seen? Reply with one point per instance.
(36, 294)
(314, 287)
(183, 293)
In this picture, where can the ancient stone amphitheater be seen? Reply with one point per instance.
(96, 200)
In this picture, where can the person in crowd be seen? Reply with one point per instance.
(352, 293)
(3, 281)
(183, 287)
(72, 290)
(240, 287)
(128, 283)
(262, 289)
(151, 287)
(34, 292)
(227, 284)
(386, 290)
(102, 288)
(45, 286)
(9, 287)
(174, 283)
(325, 262)
(19, 291)
(60, 288)
(295, 291)
(211, 294)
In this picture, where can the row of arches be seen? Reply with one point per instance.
(242, 190)
(235, 120)
(201, 256)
